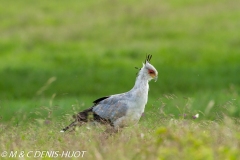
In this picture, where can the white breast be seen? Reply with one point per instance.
(136, 108)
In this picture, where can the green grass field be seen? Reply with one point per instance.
(58, 57)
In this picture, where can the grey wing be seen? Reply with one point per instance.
(111, 108)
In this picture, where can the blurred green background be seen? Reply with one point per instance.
(68, 53)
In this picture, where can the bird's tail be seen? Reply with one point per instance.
(73, 124)
(80, 118)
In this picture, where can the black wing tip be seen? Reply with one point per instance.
(100, 99)
(148, 58)
(101, 119)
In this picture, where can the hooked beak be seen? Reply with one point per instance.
(155, 78)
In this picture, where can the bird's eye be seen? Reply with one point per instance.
(151, 71)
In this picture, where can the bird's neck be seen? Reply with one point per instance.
(140, 91)
(141, 83)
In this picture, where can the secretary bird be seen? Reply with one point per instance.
(123, 109)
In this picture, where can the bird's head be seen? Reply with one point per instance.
(149, 70)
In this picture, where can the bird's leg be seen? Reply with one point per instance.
(112, 130)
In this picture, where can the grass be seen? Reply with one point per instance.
(57, 57)
(210, 105)
(89, 43)
(166, 138)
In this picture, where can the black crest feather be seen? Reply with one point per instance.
(148, 58)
